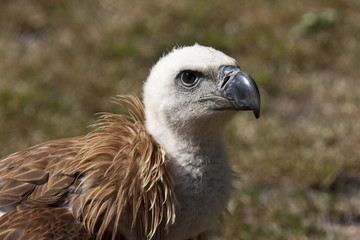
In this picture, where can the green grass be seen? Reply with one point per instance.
(62, 61)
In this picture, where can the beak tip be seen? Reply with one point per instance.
(241, 89)
(256, 107)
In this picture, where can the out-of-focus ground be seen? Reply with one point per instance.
(299, 164)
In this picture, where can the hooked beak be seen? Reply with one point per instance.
(239, 89)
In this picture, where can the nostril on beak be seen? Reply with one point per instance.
(226, 79)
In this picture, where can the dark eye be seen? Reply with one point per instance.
(188, 78)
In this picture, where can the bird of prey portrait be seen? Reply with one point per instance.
(160, 171)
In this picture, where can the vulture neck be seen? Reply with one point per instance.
(198, 163)
(202, 138)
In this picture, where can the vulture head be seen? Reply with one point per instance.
(195, 89)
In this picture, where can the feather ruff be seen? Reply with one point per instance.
(124, 177)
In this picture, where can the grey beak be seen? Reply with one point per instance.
(239, 89)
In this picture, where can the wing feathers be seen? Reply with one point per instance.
(16, 188)
(32, 175)
(11, 234)
(61, 182)
(8, 201)
(41, 223)
(113, 178)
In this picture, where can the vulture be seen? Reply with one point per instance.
(159, 171)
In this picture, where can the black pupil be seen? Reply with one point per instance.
(188, 78)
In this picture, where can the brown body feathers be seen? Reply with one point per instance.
(114, 181)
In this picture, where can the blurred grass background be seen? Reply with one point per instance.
(62, 61)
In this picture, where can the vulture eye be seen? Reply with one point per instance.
(189, 78)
